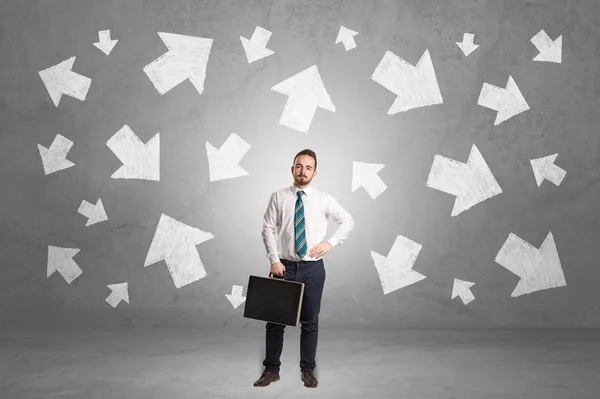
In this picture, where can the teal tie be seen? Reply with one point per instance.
(299, 226)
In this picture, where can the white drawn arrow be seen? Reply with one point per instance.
(176, 242)
(305, 92)
(508, 102)
(346, 36)
(55, 157)
(105, 44)
(223, 162)
(463, 290)
(550, 50)
(256, 47)
(544, 168)
(186, 59)
(94, 213)
(467, 45)
(59, 80)
(395, 270)
(471, 183)
(140, 161)
(365, 175)
(539, 269)
(414, 87)
(120, 292)
(61, 260)
(236, 297)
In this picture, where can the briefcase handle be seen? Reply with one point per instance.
(275, 276)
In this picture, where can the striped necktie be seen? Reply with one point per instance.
(299, 226)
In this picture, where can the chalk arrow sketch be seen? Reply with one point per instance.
(55, 157)
(176, 242)
(59, 80)
(462, 289)
(395, 270)
(186, 59)
(414, 86)
(346, 36)
(105, 44)
(365, 175)
(539, 269)
(223, 162)
(61, 260)
(120, 292)
(467, 45)
(94, 213)
(549, 50)
(544, 168)
(256, 47)
(236, 297)
(140, 161)
(471, 183)
(508, 101)
(305, 92)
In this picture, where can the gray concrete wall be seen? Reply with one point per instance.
(38, 210)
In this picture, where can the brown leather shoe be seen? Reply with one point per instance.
(309, 379)
(266, 378)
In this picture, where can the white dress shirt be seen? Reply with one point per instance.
(318, 207)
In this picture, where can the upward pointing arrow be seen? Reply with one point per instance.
(544, 168)
(414, 86)
(59, 80)
(256, 47)
(508, 102)
(365, 175)
(55, 157)
(61, 260)
(305, 92)
(105, 44)
(186, 59)
(467, 45)
(346, 36)
(176, 243)
(550, 50)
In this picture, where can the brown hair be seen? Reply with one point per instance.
(308, 152)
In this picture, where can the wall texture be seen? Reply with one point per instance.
(40, 210)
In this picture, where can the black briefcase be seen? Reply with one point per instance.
(274, 299)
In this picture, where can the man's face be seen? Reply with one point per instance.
(303, 170)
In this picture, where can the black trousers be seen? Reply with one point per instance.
(312, 274)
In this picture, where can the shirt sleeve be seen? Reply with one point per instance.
(269, 229)
(343, 218)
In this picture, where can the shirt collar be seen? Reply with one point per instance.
(306, 190)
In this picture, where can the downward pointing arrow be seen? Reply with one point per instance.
(55, 157)
(544, 168)
(346, 36)
(59, 80)
(236, 298)
(550, 50)
(61, 260)
(471, 183)
(94, 213)
(539, 269)
(140, 161)
(508, 102)
(467, 45)
(223, 163)
(105, 44)
(365, 175)
(256, 47)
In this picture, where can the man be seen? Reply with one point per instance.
(299, 214)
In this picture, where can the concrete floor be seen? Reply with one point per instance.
(181, 364)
